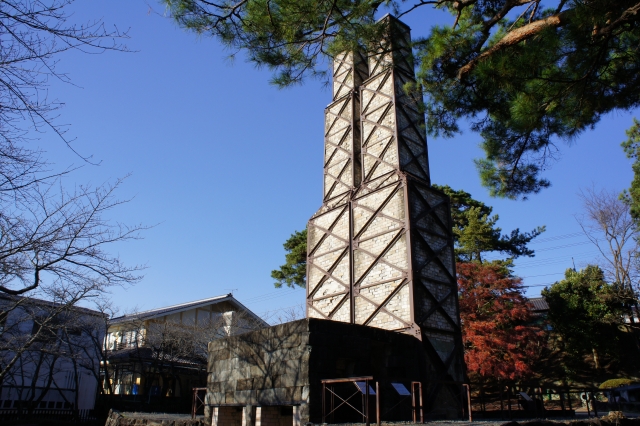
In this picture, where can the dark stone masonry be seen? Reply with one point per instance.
(282, 366)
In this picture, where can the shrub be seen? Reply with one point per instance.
(614, 383)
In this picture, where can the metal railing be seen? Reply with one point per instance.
(328, 385)
(198, 402)
(8, 414)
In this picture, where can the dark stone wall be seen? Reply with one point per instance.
(284, 364)
(265, 367)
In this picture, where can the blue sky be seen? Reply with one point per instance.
(228, 166)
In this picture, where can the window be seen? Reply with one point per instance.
(46, 333)
(74, 331)
(131, 339)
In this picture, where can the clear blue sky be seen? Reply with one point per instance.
(228, 166)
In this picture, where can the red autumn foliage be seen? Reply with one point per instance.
(500, 344)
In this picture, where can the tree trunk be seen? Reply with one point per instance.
(596, 361)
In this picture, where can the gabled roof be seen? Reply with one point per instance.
(539, 304)
(46, 304)
(168, 310)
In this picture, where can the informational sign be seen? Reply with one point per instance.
(362, 388)
(401, 389)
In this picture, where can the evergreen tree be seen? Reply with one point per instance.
(585, 312)
(294, 271)
(526, 74)
(632, 148)
(475, 231)
(479, 236)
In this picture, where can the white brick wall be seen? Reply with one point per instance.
(369, 252)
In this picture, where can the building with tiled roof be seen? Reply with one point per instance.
(540, 305)
(212, 304)
(160, 354)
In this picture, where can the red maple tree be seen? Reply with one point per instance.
(500, 342)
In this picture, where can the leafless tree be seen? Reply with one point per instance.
(96, 353)
(45, 230)
(53, 242)
(59, 237)
(282, 315)
(48, 233)
(34, 34)
(52, 258)
(608, 225)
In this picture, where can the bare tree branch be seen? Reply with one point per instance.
(608, 225)
(35, 33)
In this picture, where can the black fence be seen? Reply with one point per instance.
(79, 416)
(518, 402)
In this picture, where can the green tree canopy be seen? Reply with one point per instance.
(475, 231)
(585, 312)
(527, 75)
(632, 148)
(294, 271)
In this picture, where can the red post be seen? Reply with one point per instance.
(193, 403)
(413, 401)
(421, 403)
(324, 409)
(378, 403)
(366, 401)
(468, 401)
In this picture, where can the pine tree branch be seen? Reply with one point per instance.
(629, 15)
(514, 37)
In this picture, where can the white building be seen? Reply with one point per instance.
(162, 353)
(51, 354)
